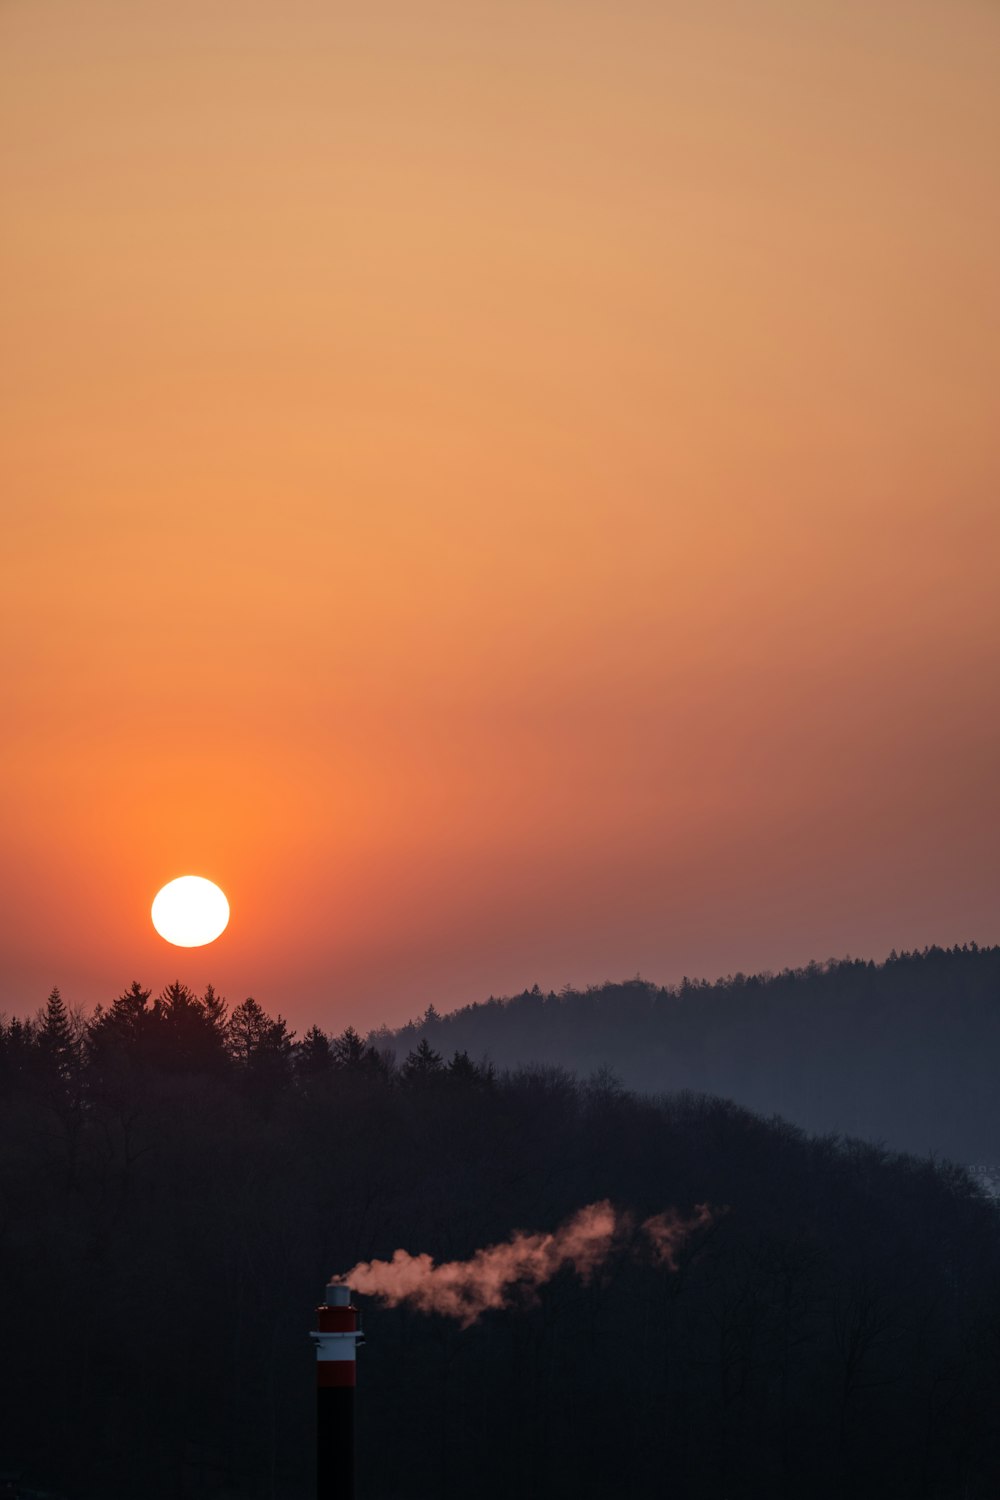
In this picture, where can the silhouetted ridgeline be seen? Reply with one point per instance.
(177, 1184)
(905, 1052)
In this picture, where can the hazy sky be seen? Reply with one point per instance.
(509, 490)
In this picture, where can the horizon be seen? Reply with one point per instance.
(298, 1019)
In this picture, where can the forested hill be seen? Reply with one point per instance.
(179, 1180)
(906, 1052)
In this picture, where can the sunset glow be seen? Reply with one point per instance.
(514, 486)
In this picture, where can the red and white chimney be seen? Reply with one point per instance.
(336, 1338)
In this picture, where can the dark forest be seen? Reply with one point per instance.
(178, 1182)
(903, 1052)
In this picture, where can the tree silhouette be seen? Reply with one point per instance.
(248, 1031)
(17, 1051)
(56, 1046)
(314, 1059)
(261, 1048)
(463, 1072)
(125, 1028)
(348, 1049)
(190, 1032)
(422, 1066)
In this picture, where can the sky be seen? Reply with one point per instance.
(507, 488)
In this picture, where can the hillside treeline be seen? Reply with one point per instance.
(177, 1183)
(903, 1052)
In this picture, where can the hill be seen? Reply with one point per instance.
(904, 1052)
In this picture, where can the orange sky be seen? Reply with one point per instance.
(509, 490)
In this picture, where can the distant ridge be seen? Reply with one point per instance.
(906, 1052)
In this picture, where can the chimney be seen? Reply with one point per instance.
(336, 1340)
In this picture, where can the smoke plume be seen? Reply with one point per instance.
(667, 1232)
(465, 1289)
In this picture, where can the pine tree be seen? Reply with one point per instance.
(214, 1008)
(17, 1050)
(246, 1030)
(57, 1049)
(261, 1047)
(462, 1070)
(124, 1028)
(348, 1049)
(190, 1035)
(422, 1065)
(314, 1055)
(467, 1074)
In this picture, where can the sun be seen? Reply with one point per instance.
(190, 912)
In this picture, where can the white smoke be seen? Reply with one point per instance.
(465, 1289)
